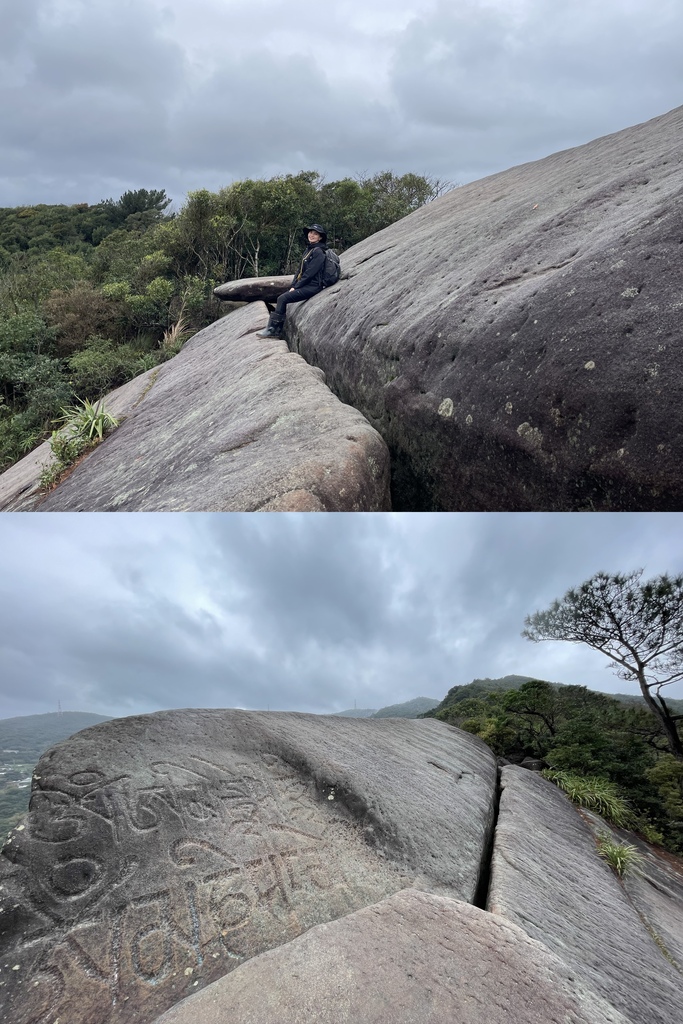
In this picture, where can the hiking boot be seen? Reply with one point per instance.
(274, 328)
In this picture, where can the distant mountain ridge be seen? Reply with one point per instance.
(408, 709)
(480, 687)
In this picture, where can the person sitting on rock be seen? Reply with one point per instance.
(307, 281)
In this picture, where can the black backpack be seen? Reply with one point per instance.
(331, 268)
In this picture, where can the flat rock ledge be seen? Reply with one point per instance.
(232, 423)
(547, 878)
(247, 289)
(163, 851)
(413, 958)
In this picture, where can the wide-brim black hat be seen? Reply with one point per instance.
(319, 228)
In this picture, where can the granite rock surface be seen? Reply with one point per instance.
(654, 888)
(547, 877)
(413, 958)
(20, 484)
(518, 341)
(233, 423)
(163, 851)
(197, 867)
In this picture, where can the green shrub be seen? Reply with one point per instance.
(85, 426)
(638, 823)
(102, 366)
(24, 331)
(14, 435)
(66, 449)
(81, 312)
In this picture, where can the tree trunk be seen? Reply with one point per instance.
(667, 722)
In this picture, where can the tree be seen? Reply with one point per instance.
(139, 209)
(638, 626)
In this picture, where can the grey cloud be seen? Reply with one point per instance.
(19, 22)
(186, 96)
(327, 569)
(528, 84)
(86, 97)
(305, 613)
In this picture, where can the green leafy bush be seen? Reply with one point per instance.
(102, 366)
(81, 312)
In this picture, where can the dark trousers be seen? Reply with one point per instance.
(298, 295)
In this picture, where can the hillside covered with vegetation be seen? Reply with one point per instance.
(92, 296)
(615, 743)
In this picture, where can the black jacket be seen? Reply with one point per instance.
(312, 267)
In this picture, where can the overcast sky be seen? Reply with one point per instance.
(102, 96)
(122, 614)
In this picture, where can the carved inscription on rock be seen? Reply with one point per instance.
(149, 888)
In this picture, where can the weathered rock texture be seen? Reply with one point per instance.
(518, 342)
(655, 889)
(232, 423)
(548, 879)
(246, 289)
(20, 485)
(163, 851)
(414, 958)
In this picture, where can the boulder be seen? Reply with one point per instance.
(20, 484)
(162, 851)
(517, 342)
(232, 423)
(533, 764)
(247, 289)
(547, 877)
(411, 958)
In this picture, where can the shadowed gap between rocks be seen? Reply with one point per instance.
(482, 894)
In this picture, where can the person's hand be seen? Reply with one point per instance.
(291, 289)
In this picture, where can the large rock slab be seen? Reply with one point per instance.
(412, 958)
(247, 289)
(20, 484)
(548, 878)
(518, 341)
(233, 423)
(656, 891)
(162, 851)
(654, 887)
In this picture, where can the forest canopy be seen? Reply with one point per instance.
(586, 734)
(92, 296)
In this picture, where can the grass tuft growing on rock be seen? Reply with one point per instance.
(594, 793)
(621, 857)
